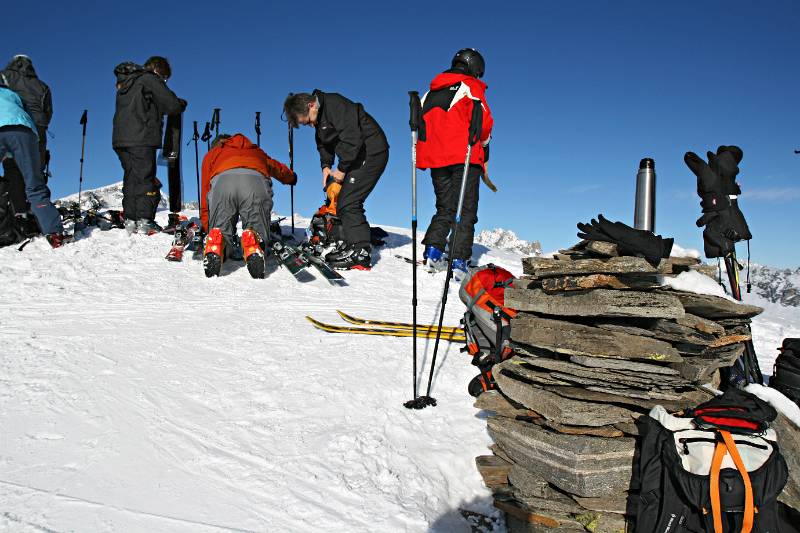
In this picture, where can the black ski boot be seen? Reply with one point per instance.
(173, 221)
(350, 257)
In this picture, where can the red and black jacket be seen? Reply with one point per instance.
(446, 112)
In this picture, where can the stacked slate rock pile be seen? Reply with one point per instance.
(598, 342)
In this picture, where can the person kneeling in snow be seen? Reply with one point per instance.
(236, 184)
(18, 138)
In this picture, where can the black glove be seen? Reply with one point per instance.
(629, 241)
(183, 103)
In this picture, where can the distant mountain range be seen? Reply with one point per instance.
(506, 239)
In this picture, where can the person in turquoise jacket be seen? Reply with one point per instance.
(18, 139)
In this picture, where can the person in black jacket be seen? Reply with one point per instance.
(344, 130)
(20, 76)
(143, 99)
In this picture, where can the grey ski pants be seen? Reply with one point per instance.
(240, 193)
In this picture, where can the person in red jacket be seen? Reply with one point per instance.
(442, 147)
(236, 184)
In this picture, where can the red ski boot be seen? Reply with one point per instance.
(253, 253)
(213, 253)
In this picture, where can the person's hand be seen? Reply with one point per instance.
(338, 176)
(184, 103)
(325, 173)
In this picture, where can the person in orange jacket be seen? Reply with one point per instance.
(236, 184)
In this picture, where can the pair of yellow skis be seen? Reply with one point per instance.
(388, 329)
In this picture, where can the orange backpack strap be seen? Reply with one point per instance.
(716, 506)
(749, 511)
(728, 445)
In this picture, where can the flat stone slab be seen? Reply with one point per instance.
(602, 431)
(700, 369)
(665, 330)
(714, 307)
(597, 302)
(577, 464)
(623, 365)
(598, 281)
(701, 324)
(577, 339)
(528, 482)
(637, 405)
(557, 408)
(543, 267)
(495, 402)
(600, 374)
(616, 503)
(789, 441)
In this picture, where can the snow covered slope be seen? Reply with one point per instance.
(137, 395)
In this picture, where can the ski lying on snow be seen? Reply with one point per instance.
(184, 235)
(333, 277)
(289, 257)
(386, 332)
(395, 325)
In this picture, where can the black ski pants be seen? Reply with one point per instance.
(357, 185)
(141, 190)
(447, 186)
(16, 183)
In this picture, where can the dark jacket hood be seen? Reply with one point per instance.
(127, 73)
(23, 65)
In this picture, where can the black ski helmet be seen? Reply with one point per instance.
(470, 59)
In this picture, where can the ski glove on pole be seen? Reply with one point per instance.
(629, 241)
(716, 185)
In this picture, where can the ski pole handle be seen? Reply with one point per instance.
(206, 133)
(84, 120)
(415, 113)
(258, 122)
(196, 134)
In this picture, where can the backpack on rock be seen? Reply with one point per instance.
(716, 468)
(487, 322)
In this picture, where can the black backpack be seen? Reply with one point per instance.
(716, 469)
(786, 372)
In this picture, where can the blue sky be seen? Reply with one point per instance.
(580, 92)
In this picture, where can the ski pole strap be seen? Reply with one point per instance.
(415, 113)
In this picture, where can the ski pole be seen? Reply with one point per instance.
(258, 128)
(414, 120)
(291, 167)
(215, 121)
(83, 121)
(472, 138)
(206, 137)
(195, 138)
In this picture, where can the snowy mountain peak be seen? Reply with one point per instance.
(781, 286)
(506, 239)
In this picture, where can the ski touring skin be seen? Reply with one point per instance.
(396, 325)
(387, 332)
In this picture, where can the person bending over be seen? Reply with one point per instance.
(344, 130)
